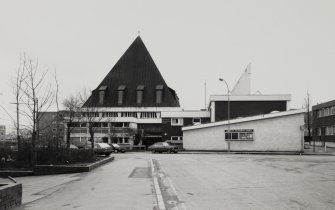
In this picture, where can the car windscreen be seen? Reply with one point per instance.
(166, 144)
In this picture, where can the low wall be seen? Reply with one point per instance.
(10, 195)
(66, 169)
(13, 173)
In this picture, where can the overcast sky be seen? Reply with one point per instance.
(290, 44)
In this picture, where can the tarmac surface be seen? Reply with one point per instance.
(190, 181)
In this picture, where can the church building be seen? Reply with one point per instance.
(134, 105)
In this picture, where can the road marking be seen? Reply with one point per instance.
(160, 201)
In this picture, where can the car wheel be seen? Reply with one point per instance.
(168, 151)
(153, 151)
(116, 151)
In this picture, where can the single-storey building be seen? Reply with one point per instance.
(277, 131)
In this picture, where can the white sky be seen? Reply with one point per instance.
(291, 44)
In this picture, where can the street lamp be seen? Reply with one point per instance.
(229, 134)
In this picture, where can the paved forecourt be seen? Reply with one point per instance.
(190, 181)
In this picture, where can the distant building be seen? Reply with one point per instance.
(2, 132)
(49, 129)
(245, 104)
(257, 122)
(324, 122)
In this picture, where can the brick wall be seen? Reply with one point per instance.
(10, 195)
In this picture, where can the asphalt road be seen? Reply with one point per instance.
(190, 181)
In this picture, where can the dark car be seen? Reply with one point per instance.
(103, 149)
(117, 148)
(163, 147)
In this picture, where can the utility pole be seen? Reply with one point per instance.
(205, 94)
(228, 93)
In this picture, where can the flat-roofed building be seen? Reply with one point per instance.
(324, 122)
(276, 132)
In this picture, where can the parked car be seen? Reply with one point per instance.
(163, 147)
(102, 149)
(117, 148)
(72, 146)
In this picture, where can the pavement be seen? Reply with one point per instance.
(190, 181)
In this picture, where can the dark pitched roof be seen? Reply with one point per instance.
(134, 68)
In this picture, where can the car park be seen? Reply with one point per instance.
(163, 147)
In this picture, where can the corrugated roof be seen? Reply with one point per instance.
(134, 68)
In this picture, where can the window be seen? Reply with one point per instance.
(159, 94)
(126, 140)
(176, 138)
(102, 91)
(177, 121)
(139, 95)
(120, 125)
(109, 114)
(148, 115)
(128, 114)
(319, 113)
(104, 125)
(327, 131)
(243, 134)
(331, 130)
(332, 110)
(121, 89)
(196, 120)
(120, 140)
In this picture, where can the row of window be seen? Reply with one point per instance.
(139, 94)
(176, 138)
(102, 125)
(328, 131)
(180, 121)
(123, 114)
(120, 140)
(326, 111)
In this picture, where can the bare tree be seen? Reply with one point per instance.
(90, 114)
(308, 116)
(38, 97)
(72, 107)
(17, 83)
(57, 115)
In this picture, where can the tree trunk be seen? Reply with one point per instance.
(68, 133)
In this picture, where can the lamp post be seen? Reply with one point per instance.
(229, 134)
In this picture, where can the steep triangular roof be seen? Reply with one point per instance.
(243, 85)
(134, 68)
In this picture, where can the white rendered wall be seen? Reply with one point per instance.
(272, 134)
